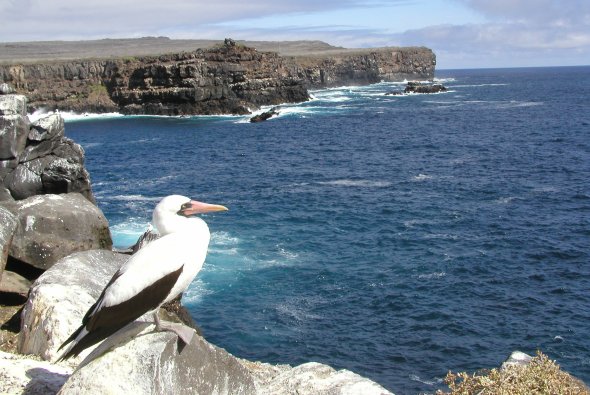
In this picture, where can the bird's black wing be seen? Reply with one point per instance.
(102, 321)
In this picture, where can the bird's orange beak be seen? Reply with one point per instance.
(194, 207)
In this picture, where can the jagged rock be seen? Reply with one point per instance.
(6, 89)
(37, 159)
(13, 135)
(315, 378)
(14, 283)
(264, 116)
(13, 105)
(8, 223)
(60, 297)
(54, 226)
(417, 87)
(152, 363)
(22, 374)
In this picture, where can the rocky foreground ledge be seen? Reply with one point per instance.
(56, 254)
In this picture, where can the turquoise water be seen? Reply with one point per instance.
(398, 237)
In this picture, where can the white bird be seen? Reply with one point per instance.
(153, 276)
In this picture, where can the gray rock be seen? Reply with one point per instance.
(13, 105)
(14, 283)
(8, 224)
(14, 130)
(312, 378)
(60, 297)
(137, 360)
(517, 358)
(54, 226)
(21, 374)
(23, 182)
(47, 128)
(151, 363)
(6, 89)
(37, 159)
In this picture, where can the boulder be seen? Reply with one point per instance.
(315, 378)
(36, 158)
(14, 130)
(60, 297)
(8, 223)
(13, 105)
(14, 283)
(264, 116)
(152, 363)
(6, 89)
(51, 227)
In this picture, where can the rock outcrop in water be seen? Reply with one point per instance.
(227, 79)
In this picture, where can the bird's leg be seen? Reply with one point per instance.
(182, 331)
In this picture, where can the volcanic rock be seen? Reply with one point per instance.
(417, 87)
(8, 223)
(51, 227)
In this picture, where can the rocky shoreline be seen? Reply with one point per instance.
(56, 258)
(227, 78)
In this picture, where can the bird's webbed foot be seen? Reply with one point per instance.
(183, 332)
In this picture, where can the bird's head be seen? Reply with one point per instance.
(172, 209)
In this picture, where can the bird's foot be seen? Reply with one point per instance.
(182, 331)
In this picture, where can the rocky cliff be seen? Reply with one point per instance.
(227, 79)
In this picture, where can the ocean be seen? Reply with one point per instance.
(399, 237)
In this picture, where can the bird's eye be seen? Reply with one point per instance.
(185, 206)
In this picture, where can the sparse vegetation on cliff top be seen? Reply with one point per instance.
(540, 376)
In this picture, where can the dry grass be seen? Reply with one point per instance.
(540, 376)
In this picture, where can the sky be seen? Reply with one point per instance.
(462, 33)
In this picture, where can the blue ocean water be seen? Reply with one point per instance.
(396, 236)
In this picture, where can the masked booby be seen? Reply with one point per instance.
(153, 276)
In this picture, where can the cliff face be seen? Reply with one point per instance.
(228, 79)
(366, 67)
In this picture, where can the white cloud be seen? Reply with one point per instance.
(502, 32)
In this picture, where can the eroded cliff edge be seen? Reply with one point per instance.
(229, 78)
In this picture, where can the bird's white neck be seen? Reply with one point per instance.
(176, 223)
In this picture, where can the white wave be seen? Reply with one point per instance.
(443, 80)
(223, 238)
(126, 233)
(70, 116)
(417, 378)
(357, 183)
(505, 200)
(92, 145)
(413, 222)
(73, 117)
(432, 275)
(421, 177)
(287, 254)
(195, 293)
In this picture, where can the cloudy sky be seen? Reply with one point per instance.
(463, 33)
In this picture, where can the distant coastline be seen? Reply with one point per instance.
(159, 76)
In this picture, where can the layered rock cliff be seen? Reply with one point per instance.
(226, 79)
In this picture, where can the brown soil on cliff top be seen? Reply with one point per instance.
(37, 51)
